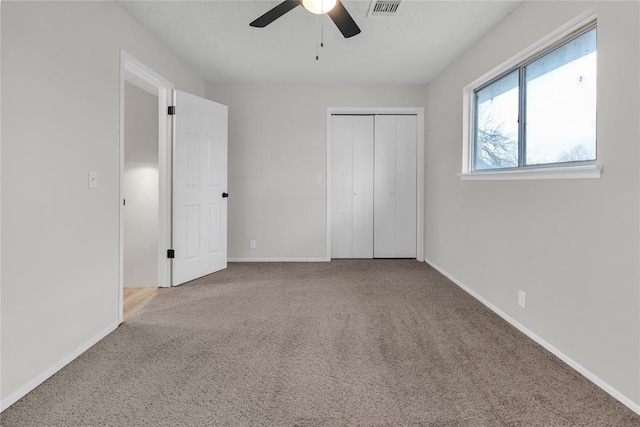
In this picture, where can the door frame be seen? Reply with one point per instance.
(419, 113)
(139, 74)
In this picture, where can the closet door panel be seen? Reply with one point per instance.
(362, 220)
(384, 187)
(406, 187)
(341, 186)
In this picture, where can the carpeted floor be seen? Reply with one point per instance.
(384, 342)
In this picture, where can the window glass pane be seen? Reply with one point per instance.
(561, 103)
(496, 130)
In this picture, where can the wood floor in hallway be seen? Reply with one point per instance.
(136, 298)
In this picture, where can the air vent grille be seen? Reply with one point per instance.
(384, 7)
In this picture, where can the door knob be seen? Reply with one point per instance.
(225, 195)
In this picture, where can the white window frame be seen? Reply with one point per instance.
(547, 171)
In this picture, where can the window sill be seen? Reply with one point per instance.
(566, 172)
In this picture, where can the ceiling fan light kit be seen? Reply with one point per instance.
(319, 7)
(334, 8)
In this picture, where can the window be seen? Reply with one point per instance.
(539, 113)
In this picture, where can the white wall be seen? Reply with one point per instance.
(60, 111)
(572, 245)
(277, 146)
(141, 185)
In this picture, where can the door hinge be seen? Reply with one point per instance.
(171, 253)
(172, 110)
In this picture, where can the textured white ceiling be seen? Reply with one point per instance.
(215, 39)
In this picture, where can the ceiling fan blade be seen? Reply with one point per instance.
(276, 13)
(343, 20)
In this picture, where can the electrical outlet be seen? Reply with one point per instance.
(252, 244)
(522, 299)
(93, 179)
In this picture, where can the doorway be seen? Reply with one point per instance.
(375, 191)
(141, 187)
(145, 178)
(177, 177)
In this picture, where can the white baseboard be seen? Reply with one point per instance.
(50, 371)
(278, 259)
(635, 407)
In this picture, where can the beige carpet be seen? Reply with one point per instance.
(385, 342)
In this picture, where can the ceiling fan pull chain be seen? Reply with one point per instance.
(317, 37)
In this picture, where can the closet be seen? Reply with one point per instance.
(374, 186)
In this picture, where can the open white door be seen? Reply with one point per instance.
(199, 187)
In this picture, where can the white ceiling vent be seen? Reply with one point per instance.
(384, 7)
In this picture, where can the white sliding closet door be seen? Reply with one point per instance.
(352, 187)
(395, 183)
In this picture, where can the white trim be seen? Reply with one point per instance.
(468, 108)
(419, 113)
(329, 183)
(139, 74)
(53, 369)
(420, 187)
(560, 355)
(279, 260)
(567, 172)
(1, 404)
(375, 110)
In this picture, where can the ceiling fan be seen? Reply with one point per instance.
(334, 8)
